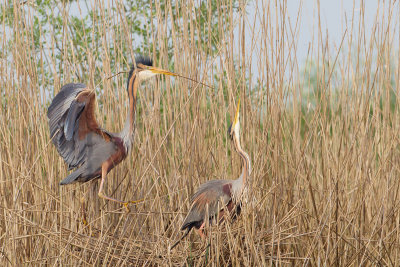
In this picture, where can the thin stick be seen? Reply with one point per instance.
(175, 74)
(112, 76)
(193, 80)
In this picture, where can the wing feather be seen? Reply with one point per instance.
(72, 110)
(72, 118)
(61, 103)
(208, 198)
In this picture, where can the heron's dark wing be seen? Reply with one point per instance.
(73, 114)
(60, 105)
(72, 121)
(95, 154)
(210, 197)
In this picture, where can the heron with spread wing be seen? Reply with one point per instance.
(214, 199)
(83, 144)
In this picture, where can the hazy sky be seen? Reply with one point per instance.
(335, 14)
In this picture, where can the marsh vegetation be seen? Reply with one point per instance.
(323, 135)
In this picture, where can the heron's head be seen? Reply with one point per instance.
(234, 129)
(144, 69)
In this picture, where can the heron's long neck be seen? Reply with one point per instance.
(128, 132)
(245, 162)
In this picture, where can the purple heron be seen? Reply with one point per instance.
(81, 142)
(215, 199)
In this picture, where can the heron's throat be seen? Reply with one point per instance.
(246, 164)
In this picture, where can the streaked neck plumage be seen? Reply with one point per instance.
(128, 132)
(240, 183)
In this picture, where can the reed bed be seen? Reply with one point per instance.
(323, 135)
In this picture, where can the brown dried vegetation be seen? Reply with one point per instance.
(326, 161)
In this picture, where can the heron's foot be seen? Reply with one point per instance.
(126, 204)
(84, 222)
(87, 226)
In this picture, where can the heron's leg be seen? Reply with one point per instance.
(83, 211)
(200, 231)
(221, 216)
(104, 169)
(83, 214)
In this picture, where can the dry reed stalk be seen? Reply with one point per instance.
(324, 146)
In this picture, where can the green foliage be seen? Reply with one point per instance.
(71, 29)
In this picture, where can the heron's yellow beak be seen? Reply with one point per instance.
(237, 113)
(161, 71)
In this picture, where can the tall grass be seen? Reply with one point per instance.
(323, 139)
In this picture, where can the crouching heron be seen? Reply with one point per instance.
(84, 145)
(214, 199)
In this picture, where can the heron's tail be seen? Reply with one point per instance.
(177, 242)
(72, 178)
